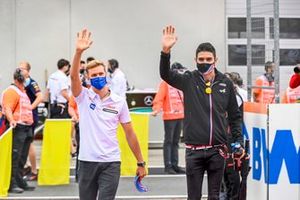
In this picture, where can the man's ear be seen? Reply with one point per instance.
(216, 59)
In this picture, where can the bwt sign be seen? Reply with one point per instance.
(282, 149)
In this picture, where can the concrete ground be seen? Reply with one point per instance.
(161, 186)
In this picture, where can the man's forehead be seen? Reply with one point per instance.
(97, 70)
(22, 64)
(205, 54)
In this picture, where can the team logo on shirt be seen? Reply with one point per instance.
(92, 106)
(223, 91)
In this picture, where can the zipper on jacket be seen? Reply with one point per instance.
(211, 116)
(210, 120)
(210, 112)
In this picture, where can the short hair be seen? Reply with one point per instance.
(236, 78)
(94, 63)
(206, 47)
(62, 62)
(27, 65)
(176, 66)
(18, 76)
(268, 64)
(89, 59)
(113, 63)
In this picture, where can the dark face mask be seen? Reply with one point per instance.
(67, 72)
(203, 68)
(81, 71)
(110, 70)
(270, 77)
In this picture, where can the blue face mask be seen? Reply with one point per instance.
(98, 82)
(27, 82)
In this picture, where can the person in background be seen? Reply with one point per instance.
(291, 95)
(169, 100)
(36, 97)
(89, 59)
(295, 79)
(58, 87)
(231, 176)
(83, 75)
(265, 95)
(241, 93)
(100, 112)
(117, 83)
(18, 111)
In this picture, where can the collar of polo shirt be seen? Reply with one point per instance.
(112, 95)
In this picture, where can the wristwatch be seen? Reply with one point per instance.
(141, 164)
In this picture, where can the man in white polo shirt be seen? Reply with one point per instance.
(100, 112)
(58, 87)
(117, 82)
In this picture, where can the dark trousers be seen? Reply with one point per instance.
(172, 135)
(22, 137)
(232, 181)
(59, 111)
(100, 178)
(199, 161)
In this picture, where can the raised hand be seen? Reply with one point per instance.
(83, 40)
(169, 38)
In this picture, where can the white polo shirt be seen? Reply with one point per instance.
(117, 83)
(98, 125)
(57, 82)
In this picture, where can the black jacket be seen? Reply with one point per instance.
(205, 115)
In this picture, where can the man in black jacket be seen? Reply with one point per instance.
(210, 106)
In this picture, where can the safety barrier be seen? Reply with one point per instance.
(5, 161)
(274, 132)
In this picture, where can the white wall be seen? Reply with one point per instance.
(42, 31)
(7, 41)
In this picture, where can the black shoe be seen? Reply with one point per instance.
(16, 189)
(179, 170)
(28, 188)
(170, 171)
(26, 170)
(30, 177)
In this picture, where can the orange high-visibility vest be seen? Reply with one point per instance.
(22, 113)
(291, 95)
(170, 100)
(264, 95)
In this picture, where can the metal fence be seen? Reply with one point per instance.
(262, 24)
